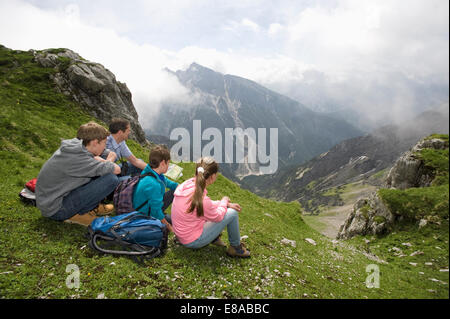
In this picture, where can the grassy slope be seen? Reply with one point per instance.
(35, 251)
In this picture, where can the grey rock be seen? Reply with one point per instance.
(369, 216)
(416, 253)
(93, 86)
(422, 223)
(48, 61)
(405, 173)
(434, 143)
(286, 241)
(410, 171)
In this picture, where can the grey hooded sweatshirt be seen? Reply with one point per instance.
(70, 167)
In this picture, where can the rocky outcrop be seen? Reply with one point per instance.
(409, 170)
(93, 86)
(370, 216)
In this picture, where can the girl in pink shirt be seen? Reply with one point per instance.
(197, 220)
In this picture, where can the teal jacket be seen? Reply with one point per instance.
(153, 190)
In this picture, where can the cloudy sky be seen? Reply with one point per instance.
(384, 59)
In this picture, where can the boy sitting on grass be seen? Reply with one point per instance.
(151, 190)
(75, 179)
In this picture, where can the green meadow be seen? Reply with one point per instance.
(35, 252)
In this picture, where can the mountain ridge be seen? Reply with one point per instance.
(228, 101)
(350, 161)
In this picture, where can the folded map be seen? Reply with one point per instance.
(174, 172)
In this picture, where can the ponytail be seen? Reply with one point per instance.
(204, 169)
(197, 198)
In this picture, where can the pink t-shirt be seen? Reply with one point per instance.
(187, 226)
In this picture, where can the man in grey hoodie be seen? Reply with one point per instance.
(76, 178)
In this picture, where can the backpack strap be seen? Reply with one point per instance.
(147, 174)
(153, 252)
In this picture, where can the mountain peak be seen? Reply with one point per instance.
(191, 70)
(197, 70)
(195, 67)
(203, 78)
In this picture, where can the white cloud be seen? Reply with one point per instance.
(250, 24)
(385, 59)
(372, 56)
(238, 28)
(274, 28)
(411, 36)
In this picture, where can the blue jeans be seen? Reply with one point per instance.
(212, 230)
(87, 197)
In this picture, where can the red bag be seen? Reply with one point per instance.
(31, 184)
(27, 194)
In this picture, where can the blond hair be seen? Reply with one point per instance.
(92, 131)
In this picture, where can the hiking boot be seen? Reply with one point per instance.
(218, 242)
(103, 209)
(84, 220)
(238, 251)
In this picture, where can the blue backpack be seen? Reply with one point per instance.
(132, 234)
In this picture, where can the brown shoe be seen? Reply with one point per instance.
(218, 242)
(103, 209)
(238, 251)
(84, 220)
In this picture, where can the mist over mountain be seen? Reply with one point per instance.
(369, 100)
(226, 101)
(350, 161)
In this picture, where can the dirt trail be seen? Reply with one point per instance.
(335, 219)
(334, 216)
